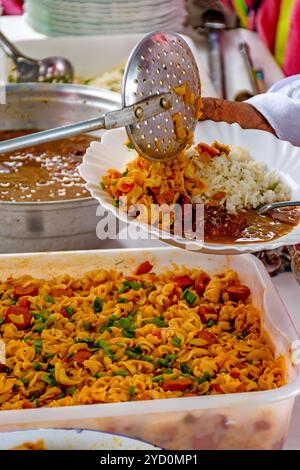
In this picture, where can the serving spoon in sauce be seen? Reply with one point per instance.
(51, 69)
(286, 216)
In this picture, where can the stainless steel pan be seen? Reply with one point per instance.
(61, 225)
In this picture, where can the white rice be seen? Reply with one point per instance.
(246, 182)
(110, 80)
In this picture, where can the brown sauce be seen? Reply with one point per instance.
(45, 172)
(258, 228)
(244, 227)
(267, 227)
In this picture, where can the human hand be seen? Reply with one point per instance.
(234, 111)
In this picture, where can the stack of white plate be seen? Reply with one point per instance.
(92, 17)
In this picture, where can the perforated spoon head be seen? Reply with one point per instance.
(163, 63)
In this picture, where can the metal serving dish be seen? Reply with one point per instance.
(55, 225)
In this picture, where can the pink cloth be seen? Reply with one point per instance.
(263, 15)
(291, 64)
(266, 21)
(12, 7)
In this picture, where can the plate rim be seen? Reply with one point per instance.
(212, 248)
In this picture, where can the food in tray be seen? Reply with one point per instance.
(38, 445)
(110, 80)
(109, 337)
(228, 181)
(44, 172)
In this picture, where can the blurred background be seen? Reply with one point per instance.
(244, 45)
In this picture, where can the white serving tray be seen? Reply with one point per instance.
(146, 420)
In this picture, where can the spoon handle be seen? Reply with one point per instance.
(50, 135)
(275, 205)
(9, 48)
(112, 120)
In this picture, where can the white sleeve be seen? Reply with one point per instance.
(281, 107)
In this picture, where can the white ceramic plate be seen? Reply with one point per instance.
(112, 8)
(263, 146)
(91, 18)
(72, 439)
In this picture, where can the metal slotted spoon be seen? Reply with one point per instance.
(276, 205)
(158, 64)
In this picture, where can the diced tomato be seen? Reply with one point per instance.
(218, 196)
(24, 302)
(142, 163)
(165, 198)
(235, 374)
(213, 152)
(204, 157)
(183, 281)
(117, 194)
(159, 199)
(20, 291)
(190, 394)
(143, 396)
(64, 313)
(201, 282)
(56, 292)
(217, 388)
(238, 292)
(210, 338)
(169, 196)
(240, 365)
(176, 384)
(26, 404)
(205, 310)
(199, 287)
(81, 356)
(143, 268)
(297, 247)
(126, 187)
(156, 333)
(114, 173)
(125, 184)
(19, 316)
